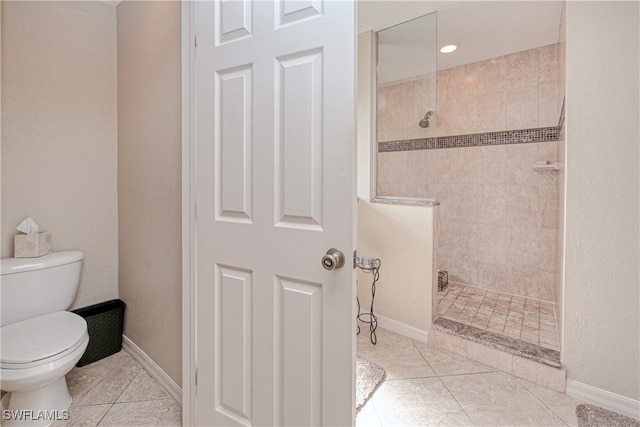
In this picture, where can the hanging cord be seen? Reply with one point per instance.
(369, 317)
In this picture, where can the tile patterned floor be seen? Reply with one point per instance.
(424, 386)
(117, 391)
(511, 316)
(427, 386)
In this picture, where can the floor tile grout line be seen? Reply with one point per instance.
(489, 371)
(440, 380)
(539, 325)
(88, 405)
(120, 394)
(146, 400)
(424, 358)
(475, 311)
(494, 314)
(128, 384)
(375, 410)
(105, 414)
(540, 400)
(473, 421)
(409, 378)
(520, 323)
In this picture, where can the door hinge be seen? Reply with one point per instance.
(195, 42)
(196, 377)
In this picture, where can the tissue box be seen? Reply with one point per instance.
(32, 245)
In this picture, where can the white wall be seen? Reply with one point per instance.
(402, 237)
(149, 178)
(59, 132)
(602, 326)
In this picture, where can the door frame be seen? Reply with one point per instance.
(189, 371)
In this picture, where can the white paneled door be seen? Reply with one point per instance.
(273, 124)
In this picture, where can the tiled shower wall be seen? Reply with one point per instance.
(497, 223)
(400, 110)
(517, 91)
(497, 218)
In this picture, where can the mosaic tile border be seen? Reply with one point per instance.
(520, 136)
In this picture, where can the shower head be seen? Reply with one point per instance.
(424, 123)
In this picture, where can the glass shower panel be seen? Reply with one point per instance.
(406, 116)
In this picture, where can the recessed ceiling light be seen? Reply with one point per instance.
(449, 48)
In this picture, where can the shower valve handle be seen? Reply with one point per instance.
(333, 259)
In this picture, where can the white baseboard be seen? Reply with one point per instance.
(153, 369)
(603, 398)
(403, 329)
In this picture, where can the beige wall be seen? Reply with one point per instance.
(59, 135)
(602, 325)
(88, 141)
(402, 237)
(149, 178)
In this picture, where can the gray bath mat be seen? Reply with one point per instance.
(369, 376)
(594, 416)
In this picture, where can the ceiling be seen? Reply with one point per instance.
(482, 29)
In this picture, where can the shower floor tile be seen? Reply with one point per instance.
(514, 317)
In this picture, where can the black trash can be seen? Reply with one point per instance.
(105, 322)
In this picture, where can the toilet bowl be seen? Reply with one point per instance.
(36, 354)
(41, 342)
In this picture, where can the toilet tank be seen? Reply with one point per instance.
(33, 287)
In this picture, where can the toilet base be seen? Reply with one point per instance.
(38, 408)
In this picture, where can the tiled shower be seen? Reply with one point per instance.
(490, 159)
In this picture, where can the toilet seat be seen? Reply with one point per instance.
(41, 340)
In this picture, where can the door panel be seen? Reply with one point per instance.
(274, 160)
(299, 348)
(234, 342)
(298, 109)
(234, 21)
(292, 11)
(234, 144)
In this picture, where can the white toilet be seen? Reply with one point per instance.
(40, 341)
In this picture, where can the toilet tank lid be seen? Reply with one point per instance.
(54, 259)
